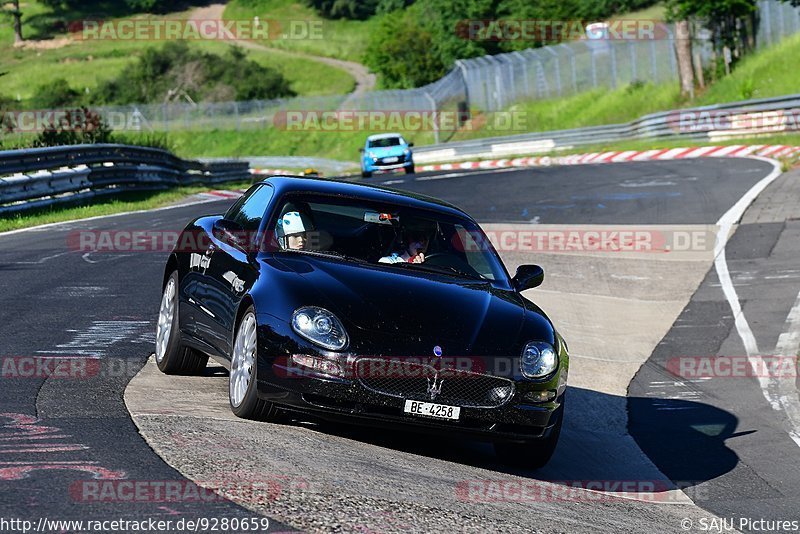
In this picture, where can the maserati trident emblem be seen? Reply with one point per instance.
(435, 387)
(437, 351)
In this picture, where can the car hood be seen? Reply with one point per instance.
(397, 308)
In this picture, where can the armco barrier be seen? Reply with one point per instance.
(766, 116)
(40, 177)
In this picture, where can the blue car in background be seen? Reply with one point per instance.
(383, 152)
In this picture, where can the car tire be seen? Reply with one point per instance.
(172, 357)
(531, 455)
(242, 384)
(366, 174)
(410, 170)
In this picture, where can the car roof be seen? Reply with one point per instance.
(383, 136)
(326, 186)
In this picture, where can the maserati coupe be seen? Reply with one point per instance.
(366, 305)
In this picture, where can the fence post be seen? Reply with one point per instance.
(463, 68)
(524, 62)
(653, 64)
(767, 23)
(573, 67)
(613, 65)
(435, 118)
(632, 51)
(558, 68)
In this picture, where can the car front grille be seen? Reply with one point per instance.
(416, 381)
(400, 159)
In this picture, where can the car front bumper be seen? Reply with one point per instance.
(302, 390)
(369, 165)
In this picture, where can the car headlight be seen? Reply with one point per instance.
(320, 327)
(538, 360)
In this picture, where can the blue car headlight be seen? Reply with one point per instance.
(539, 359)
(320, 327)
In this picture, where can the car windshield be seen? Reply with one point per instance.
(389, 235)
(384, 142)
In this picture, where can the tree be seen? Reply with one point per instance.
(683, 50)
(730, 23)
(17, 15)
(405, 59)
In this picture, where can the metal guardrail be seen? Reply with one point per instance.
(39, 177)
(707, 123)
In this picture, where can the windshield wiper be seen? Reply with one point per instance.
(441, 269)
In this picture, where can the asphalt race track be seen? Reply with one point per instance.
(710, 448)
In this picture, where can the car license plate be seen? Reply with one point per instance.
(389, 160)
(440, 411)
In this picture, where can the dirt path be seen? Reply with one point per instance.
(365, 81)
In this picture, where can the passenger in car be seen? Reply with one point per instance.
(292, 231)
(414, 252)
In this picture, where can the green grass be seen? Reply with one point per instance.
(271, 142)
(123, 203)
(86, 64)
(342, 39)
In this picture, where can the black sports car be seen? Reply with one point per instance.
(369, 305)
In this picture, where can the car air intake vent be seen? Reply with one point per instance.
(416, 381)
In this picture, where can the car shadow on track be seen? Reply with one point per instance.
(686, 440)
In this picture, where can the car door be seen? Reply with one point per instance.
(233, 268)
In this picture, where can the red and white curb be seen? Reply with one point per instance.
(666, 154)
(619, 156)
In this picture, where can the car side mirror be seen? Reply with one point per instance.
(229, 232)
(528, 277)
(410, 145)
(361, 150)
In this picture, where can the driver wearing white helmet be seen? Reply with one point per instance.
(292, 231)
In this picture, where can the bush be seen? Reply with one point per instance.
(78, 126)
(405, 59)
(176, 71)
(55, 95)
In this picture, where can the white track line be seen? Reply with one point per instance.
(789, 404)
(784, 386)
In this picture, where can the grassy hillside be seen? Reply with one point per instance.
(343, 39)
(87, 63)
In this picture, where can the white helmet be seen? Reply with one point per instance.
(290, 223)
